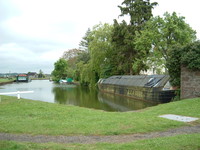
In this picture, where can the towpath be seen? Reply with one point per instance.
(90, 139)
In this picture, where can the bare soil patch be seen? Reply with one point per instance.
(90, 139)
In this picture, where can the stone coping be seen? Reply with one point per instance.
(179, 118)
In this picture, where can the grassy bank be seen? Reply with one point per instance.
(6, 80)
(34, 117)
(180, 142)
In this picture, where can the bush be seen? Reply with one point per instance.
(188, 56)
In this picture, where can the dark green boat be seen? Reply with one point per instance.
(23, 78)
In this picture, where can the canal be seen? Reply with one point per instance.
(47, 91)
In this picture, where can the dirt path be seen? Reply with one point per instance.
(95, 139)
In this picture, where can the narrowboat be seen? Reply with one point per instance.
(153, 88)
(23, 78)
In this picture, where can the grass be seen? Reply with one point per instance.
(34, 117)
(5, 80)
(180, 142)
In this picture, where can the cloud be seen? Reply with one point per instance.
(35, 33)
(19, 58)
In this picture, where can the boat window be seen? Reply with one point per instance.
(152, 82)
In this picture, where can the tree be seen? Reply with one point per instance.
(71, 53)
(91, 64)
(71, 57)
(60, 70)
(83, 56)
(160, 35)
(41, 74)
(85, 41)
(123, 37)
(100, 48)
(140, 11)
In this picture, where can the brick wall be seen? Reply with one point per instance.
(190, 83)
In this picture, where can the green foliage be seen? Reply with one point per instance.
(92, 63)
(71, 56)
(160, 35)
(123, 48)
(84, 73)
(178, 95)
(41, 74)
(131, 47)
(130, 60)
(191, 56)
(60, 70)
(139, 11)
(85, 41)
(174, 66)
(83, 56)
(188, 56)
(107, 70)
(100, 48)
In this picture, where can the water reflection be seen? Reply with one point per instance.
(79, 96)
(121, 103)
(85, 97)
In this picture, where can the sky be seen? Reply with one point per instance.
(35, 33)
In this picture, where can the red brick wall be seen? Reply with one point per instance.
(190, 83)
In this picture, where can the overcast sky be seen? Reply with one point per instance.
(35, 33)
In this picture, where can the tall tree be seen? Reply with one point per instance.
(96, 65)
(83, 45)
(100, 48)
(160, 35)
(41, 74)
(140, 11)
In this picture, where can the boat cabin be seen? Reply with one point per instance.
(144, 87)
(22, 78)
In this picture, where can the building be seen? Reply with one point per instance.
(32, 74)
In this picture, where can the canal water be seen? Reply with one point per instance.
(47, 91)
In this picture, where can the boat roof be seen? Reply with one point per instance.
(137, 80)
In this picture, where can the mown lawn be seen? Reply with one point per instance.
(180, 142)
(34, 117)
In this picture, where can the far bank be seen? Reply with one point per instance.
(6, 80)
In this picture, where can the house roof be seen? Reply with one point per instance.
(32, 73)
(22, 75)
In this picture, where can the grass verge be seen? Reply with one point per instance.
(6, 80)
(35, 117)
(180, 142)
